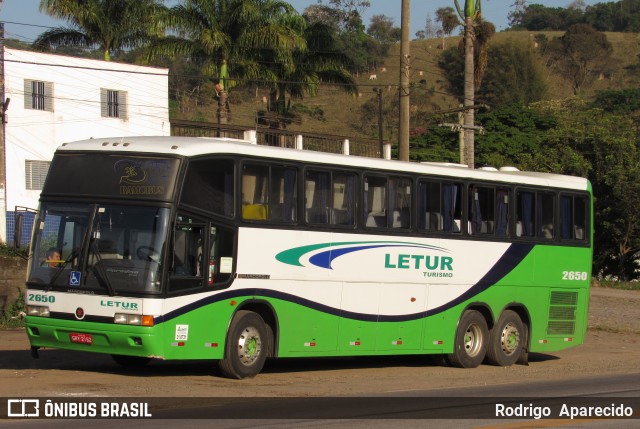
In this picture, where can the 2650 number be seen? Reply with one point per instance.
(34, 297)
(574, 275)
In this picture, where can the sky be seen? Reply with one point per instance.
(23, 20)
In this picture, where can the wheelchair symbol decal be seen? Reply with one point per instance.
(74, 278)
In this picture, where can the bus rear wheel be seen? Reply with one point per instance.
(246, 347)
(470, 343)
(506, 340)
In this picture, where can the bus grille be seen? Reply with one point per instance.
(562, 313)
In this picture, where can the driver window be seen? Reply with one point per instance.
(187, 257)
(187, 251)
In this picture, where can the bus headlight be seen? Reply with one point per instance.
(133, 319)
(37, 310)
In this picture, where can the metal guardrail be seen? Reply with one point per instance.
(282, 138)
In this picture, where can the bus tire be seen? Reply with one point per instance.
(131, 361)
(470, 343)
(246, 347)
(506, 340)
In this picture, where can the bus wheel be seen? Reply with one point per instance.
(506, 340)
(470, 344)
(246, 347)
(131, 361)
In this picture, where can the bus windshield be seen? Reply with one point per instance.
(99, 248)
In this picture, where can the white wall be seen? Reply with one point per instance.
(35, 134)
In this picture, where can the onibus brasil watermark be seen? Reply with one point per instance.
(21, 408)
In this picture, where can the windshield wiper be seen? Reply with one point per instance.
(99, 271)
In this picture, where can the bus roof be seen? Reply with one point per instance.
(197, 146)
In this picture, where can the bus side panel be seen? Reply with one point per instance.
(197, 331)
(565, 273)
(305, 331)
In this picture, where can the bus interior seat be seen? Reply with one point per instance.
(341, 217)
(254, 212)
(317, 215)
(376, 219)
(400, 219)
(435, 221)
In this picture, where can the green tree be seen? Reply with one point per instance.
(109, 25)
(536, 17)
(344, 18)
(230, 38)
(621, 102)
(382, 29)
(320, 62)
(579, 54)
(514, 75)
(514, 134)
(618, 16)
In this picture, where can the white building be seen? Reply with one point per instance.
(52, 99)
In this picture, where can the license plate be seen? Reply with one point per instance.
(81, 338)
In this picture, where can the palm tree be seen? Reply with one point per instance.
(448, 19)
(483, 32)
(228, 39)
(472, 10)
(111, 25)
(320, 62)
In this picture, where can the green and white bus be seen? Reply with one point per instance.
(199, 248)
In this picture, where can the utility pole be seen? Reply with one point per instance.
(461, 128)
(4, 104)
(378, 91)
(403, 135)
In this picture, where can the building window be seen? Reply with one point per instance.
(35, 173)
(113, 104)
(38, 95)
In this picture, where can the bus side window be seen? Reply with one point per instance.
(429, 212)
(269, 193)
(580, 218)
(481, 210)
(255, 193)
(502, 212)
(343, 199)
(283, 198)
(187, 251)
(317, 196)
(451, 207)
(573, 217)
(545, 221)
(525, 214)
(400, 203)
(375, 202)
(220, 265)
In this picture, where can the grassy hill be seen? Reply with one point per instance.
(334, 112)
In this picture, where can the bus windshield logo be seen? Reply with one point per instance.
(134, 178)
